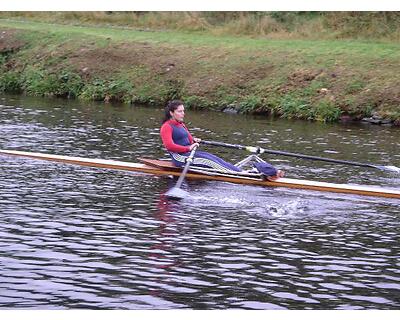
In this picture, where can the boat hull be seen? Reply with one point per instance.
(166, 168)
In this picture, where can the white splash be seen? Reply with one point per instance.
(393, 168)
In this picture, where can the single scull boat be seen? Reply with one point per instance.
(166, 168)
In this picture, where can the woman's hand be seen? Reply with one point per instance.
(193, 145)
(198, 140)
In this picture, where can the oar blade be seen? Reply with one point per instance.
(176, 193)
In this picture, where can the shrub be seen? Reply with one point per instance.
(37, 82)
(119, 90)
(94, 91)
(326, 111)
(250, 103)
(108, 90)
(293, 107)
(10, 82)
(70, 85)
(195, 102)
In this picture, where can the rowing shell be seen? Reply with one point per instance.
(166, 168)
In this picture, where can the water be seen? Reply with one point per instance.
(78, 237)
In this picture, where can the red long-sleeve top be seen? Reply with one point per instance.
(175, 136)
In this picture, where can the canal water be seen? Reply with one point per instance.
(79, 237)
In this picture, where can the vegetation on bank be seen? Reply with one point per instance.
(308, 79)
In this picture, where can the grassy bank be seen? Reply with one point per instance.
(383, 26)
(309, 79)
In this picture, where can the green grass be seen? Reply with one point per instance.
(306, 48)
(274, 25)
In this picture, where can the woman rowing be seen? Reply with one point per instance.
(179, 142)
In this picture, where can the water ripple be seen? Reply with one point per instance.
(74, 237)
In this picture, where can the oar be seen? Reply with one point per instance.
(302, 156)
(176, 192)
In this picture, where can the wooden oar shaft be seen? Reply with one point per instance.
(289, 154)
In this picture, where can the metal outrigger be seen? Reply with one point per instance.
(248, 160)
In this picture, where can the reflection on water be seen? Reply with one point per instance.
(78, 237)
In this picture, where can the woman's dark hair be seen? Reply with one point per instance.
(171, 107)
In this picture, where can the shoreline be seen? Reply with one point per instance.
(328, 81)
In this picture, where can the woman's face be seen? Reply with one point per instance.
(178, 114)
